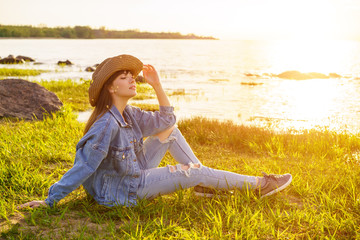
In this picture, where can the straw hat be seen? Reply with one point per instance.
(107, 68)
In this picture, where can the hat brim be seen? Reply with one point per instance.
(107, 68)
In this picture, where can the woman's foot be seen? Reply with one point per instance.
(268, 185)
(272, 183)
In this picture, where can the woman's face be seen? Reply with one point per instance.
(123, 86)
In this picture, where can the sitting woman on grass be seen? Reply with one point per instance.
(116, 167)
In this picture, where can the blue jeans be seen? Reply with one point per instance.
(155, 181)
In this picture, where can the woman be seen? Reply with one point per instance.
(116, 167)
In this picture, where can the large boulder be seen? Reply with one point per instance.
(26, 100)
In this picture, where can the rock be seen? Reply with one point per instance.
(25, 58)
(296, 75)
(26, 100)
(316, 75)
(270, 74)
(90, 69)
(140, 79)
(67, 63)
(11, 60)
(252, 75)
(334, 75)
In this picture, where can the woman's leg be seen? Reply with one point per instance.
(171, 140)
(159, 181)
(190, 172)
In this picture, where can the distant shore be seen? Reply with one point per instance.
(85, 32)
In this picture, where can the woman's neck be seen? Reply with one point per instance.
(120, 104)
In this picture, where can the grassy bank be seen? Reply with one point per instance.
(85, 32)
(322, 203)
(14, 72)
(75, 93)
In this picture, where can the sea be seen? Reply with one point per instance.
(283, 85)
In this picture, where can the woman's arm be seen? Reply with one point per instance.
(152, 78)
(152, 123)
(86, 163)
(91, 150)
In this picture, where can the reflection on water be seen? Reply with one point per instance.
(311, 100)
(228, 80)
(282, 104)
(310, 103)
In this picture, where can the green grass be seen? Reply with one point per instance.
(12, 72)
(147, 107)
(75, 93)
(323, 201)
(144, 91)
(70, 92)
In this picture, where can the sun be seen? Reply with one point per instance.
(321, 56)
(315, 20)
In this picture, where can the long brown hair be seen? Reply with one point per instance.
(104, 102)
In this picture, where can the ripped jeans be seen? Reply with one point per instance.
(155, 181)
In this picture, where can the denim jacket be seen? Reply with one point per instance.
(108, 157)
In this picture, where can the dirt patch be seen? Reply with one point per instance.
(6, 225)
(69, 226)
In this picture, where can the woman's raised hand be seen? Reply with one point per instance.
(33, 204)
(151, 75)
(152, 78)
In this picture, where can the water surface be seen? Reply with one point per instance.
(227, 80)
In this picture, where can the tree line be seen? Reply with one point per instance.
(85, 32)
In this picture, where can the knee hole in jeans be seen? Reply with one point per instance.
(183, 168)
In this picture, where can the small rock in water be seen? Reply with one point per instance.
(334, 75)
(296, 75)
(252, 75)
(67, 63)
(140, 79)
(11, 60)
(90, 69)
(25, 58)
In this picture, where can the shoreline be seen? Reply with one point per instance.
(50, 38)
(86, 32)
(188, 106)
(280, 126)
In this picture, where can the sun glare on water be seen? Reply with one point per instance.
(310, 99)
(312, 49)
(314, 101)
(305, 104)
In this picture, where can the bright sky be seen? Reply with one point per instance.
(224, 19)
